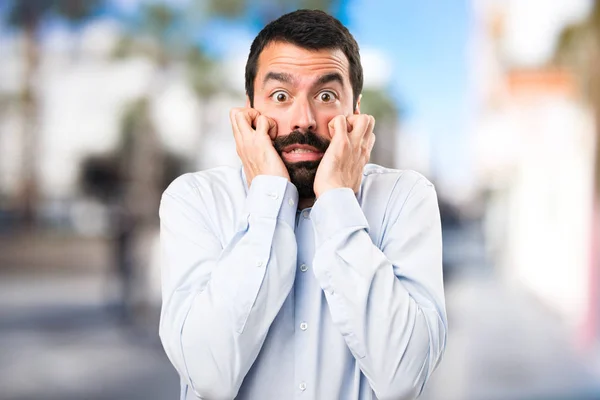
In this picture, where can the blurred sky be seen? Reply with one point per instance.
(426, 44)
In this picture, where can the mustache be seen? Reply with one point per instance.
(308, 138)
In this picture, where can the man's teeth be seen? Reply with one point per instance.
(301, 151)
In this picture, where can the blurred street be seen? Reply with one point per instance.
(62, 332)
(60, 340)
(505, 345)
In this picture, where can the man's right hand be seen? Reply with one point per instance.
(255, 146)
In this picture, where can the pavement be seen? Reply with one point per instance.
(503, 344)
(61, 337)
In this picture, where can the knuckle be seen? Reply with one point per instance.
(365, 120)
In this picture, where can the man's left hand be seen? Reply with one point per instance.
(352, 140)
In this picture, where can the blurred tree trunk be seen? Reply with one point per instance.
(27, 16)
(142, 158)
(142, 152)
(28, 193)
(142, 161)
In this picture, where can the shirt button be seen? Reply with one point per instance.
(303, 326)
(274, 196)
(303, 268)
(259, 264)
(305, 214)
(291, 202)
(302, 386)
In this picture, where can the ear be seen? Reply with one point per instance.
(247, 101)
(357, 109)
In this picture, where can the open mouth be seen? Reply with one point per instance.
(300, 152)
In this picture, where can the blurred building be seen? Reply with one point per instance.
(534, 139)
(83, 92)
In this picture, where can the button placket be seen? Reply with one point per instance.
(302, 335)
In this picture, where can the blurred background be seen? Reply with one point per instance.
(104, 102)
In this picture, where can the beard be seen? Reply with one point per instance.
(302, 173)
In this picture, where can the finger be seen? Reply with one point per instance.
(237, 136)
(350, 123)
(352, 119)
(245, 120)
(369, 134)
(269, 127)
(251, 116)
(367, 148)
(371, 145)
(337, 125)
(371, 124)
(262, 127)
(360, 126)
(234, 125)
(339, 139)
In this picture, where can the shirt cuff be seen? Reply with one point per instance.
(273, 197)
(337, 210)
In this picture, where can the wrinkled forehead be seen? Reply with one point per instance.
(304, 66)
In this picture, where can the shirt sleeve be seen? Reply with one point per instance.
(388, 301)
(219, 299)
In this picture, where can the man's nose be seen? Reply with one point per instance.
(303, 117)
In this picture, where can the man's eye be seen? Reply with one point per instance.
(327, 97)
(279, 97)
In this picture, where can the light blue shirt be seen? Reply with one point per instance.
(344, 300)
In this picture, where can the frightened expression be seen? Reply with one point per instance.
(302, 90)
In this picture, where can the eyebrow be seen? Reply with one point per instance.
(277, 76)
(287, 78)
(331, 77)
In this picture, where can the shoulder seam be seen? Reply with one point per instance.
(410, 192)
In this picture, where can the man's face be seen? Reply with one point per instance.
(302, 90)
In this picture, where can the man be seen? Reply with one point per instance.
(307, 273)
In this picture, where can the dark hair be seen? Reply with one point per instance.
(311, 30)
